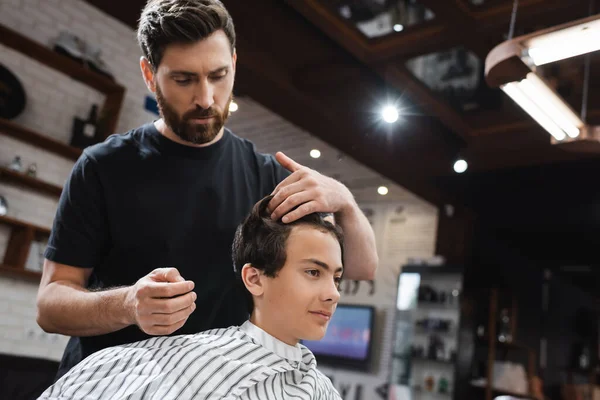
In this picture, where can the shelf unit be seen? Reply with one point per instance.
(109, 112)
(23, 234)
(494, 345)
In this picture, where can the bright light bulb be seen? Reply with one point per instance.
(382, 190)
(398, 27)
(233, 107)
(460, 166)
(314, 153)
(390, 114)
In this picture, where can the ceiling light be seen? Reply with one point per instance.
(382, 190)
(233, 107)
(564, 43)
(460, 166)
(398, 27)
(390, 114)
(515, 91)
(552, 105)
(314, 153)
(511, 65)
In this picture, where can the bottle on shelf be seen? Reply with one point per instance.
(85, 131)
(15, 164)
(90, 125)
(32, 170)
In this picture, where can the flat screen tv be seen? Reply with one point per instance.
(347, 342)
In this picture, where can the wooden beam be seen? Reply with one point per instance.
(264, 72)
(325, 75)
(333, 25)
(398, 76)
(330, 125)
(401, 77)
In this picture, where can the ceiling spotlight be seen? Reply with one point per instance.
(460, 166)
(314, 153)
(233, 106)
(390, 114)
(398, 27)
(382, 190)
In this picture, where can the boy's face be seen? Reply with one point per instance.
(298, 303)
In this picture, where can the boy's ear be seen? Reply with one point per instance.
(252, 279)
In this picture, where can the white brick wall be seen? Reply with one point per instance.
(53, 99)
(19, 333)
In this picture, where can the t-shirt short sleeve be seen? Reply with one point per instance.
(80, 231)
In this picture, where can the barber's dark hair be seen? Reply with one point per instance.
(261, 241)
(164, 22)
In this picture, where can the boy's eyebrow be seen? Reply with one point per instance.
(322, 264)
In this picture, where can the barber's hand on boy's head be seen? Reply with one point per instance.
(309, 190)
(160, 302)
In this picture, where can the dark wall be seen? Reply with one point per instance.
(571, 320)
(497, 262)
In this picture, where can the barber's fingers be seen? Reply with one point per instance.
(167, 305)
(286, 162)
(165, 324)
(293, 200)
(168, 319)
(157, 290)
(168, 274)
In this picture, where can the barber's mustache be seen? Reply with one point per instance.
(200, 113)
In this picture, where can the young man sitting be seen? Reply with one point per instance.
(290, 274)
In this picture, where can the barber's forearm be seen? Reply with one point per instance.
(68, 309)
(360, 250)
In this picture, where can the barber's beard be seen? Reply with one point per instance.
(185, 128)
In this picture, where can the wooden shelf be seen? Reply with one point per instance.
(58, 61)
(15, 223)
(11, 129)
(28, 181)
(15, 272)
(110, 110)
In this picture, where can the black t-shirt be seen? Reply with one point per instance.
(140, 201)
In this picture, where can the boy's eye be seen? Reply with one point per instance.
(182, 82)
(313, 272)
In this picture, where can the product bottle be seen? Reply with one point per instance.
(90, 125)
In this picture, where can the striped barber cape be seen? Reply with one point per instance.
(243, 363)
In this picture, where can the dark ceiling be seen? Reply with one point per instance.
(328, 66)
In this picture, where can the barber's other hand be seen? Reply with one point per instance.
(308, 190)
(160, 302)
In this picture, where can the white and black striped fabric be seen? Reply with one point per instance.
(243, 363)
